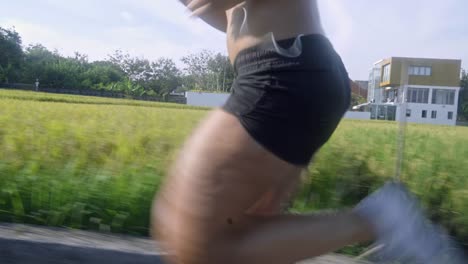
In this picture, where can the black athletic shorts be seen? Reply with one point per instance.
(290, 104)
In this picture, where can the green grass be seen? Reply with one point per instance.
(361, 155)
(85, 165)
(95, 163)
(80, 99)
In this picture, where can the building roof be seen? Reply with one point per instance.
(424, 59)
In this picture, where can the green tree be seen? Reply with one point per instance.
(120, 72)
(159, 77)
(196, 67)
(222, 72)
(137, 69)
(11, 55)
(38, 61)
(101, 74)
(127, 87)
(165, 77)
(208, 71)
(463, 97)
(56, 71)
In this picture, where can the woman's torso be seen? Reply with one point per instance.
(283, 18)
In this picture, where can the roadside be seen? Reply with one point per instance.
(39, 245)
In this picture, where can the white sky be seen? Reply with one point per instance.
(362, 31)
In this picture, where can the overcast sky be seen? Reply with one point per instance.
(363, 31)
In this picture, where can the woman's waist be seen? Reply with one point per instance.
(305, 52)
(237, 44)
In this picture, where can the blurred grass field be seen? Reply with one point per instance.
(95, 163)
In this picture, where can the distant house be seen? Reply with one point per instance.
(360, 88)
(179, 91)
(432, 88)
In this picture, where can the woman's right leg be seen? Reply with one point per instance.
(287, 239)
(204, 211)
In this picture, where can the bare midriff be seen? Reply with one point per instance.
(282, 18)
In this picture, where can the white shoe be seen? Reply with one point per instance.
(403, 230)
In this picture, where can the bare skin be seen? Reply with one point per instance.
(285, 19)
(222, 197)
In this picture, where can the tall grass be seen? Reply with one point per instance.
(361, 155)
(85, 166)
(81, 99)
(97, 165)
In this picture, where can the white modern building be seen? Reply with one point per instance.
(429, 86)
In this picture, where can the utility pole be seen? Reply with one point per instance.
(402, 121)
(224, 74)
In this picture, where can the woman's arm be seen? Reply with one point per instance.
(216, 19)
(213, 17)
(213, 12)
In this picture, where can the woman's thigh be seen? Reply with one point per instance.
(220, 173)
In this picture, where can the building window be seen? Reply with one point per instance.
(386, 73)
(443, 96)
(450, 115)
(424, 114)
(408, 112)
(420, 70)
(418, 95)
(434, 114)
